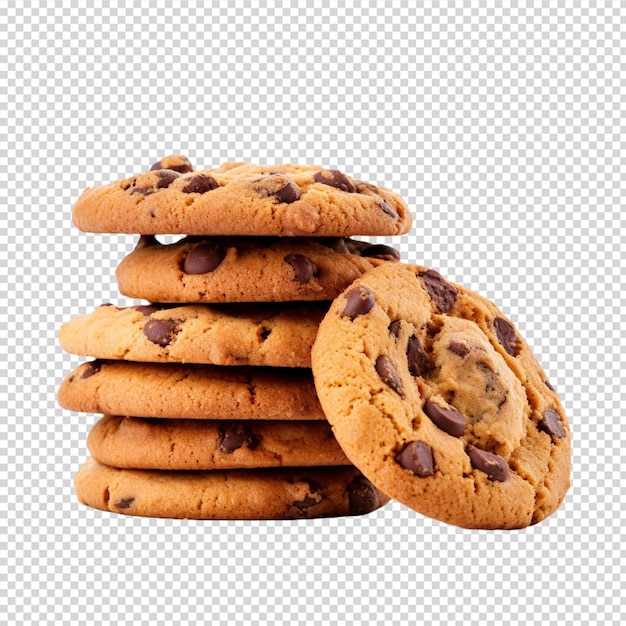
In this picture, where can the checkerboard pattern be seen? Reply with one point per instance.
(501, 125)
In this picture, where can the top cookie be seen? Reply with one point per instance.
(241, 199)
(434, 395)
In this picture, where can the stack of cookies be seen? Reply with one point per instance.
(209, 405)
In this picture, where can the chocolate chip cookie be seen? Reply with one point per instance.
(229, 334)
(246, 269)
(435, 396)
(190, 391)
(175, 444)
(241, 199)
(276, 493)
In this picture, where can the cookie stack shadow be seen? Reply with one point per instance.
(208, 404)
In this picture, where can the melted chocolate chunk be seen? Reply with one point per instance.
(311, 500)
(288, 194)
(362, 496)
(359, 301)
(335, 178)
(417, 456)
(389, 374)
(506, 335)
(388, 210)
(493, 465)
(442, 293)
(415, 356)
(551, 423)
(200, 184)
(304, 269)
(233, 436)
(460, 349)
(124, 503)
(380, 251)
(204, 258)
(161, 332)
(166, 178)
(178, 164)
(146, 309)
(395, 327)
(91, 368)
(548, 385)
(450, 421)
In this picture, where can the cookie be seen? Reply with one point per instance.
(260, 334)
(252, 269)
(241, 199)
(174, 444)
(435, 396)
(276, 493)
(190, 391)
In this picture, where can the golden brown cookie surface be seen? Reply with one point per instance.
(276, 493)
(173, 390)
(174, 444)
(262, 334)
(435, 396)
(246, 269)
(241, 199)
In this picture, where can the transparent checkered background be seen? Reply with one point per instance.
(501, 125)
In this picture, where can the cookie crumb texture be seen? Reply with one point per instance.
(277, 493)
(241, 199)
(246, 269)
(437, 399)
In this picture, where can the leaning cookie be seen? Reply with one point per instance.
(247, 334)
(435, 396)
(246, 269)
(174, 444)
(172, 390)
(276, 493)
(241, 199)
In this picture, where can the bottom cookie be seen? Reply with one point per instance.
(276, 493)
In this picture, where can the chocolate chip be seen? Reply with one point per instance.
(359, 301)
(460, 349)
(124, 503)
(304, 269)
(450, 421)
(417, 456)
(548, 385)
(389, 374)
(161, 332)
(388, 209)
(146, 309)
(107, 304)
(442, 293)
(334, 178)
(415, 356)
(200, 184)
(265, 333)
(311, 500)
(288, 194)
(91, 368)
(166, 178)
(493, 465)
(177, 163)
(395, 327)
(380, 251)
(506, 336)
(551, 424)
(362, 496)
(204, 258)
(233, 436)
